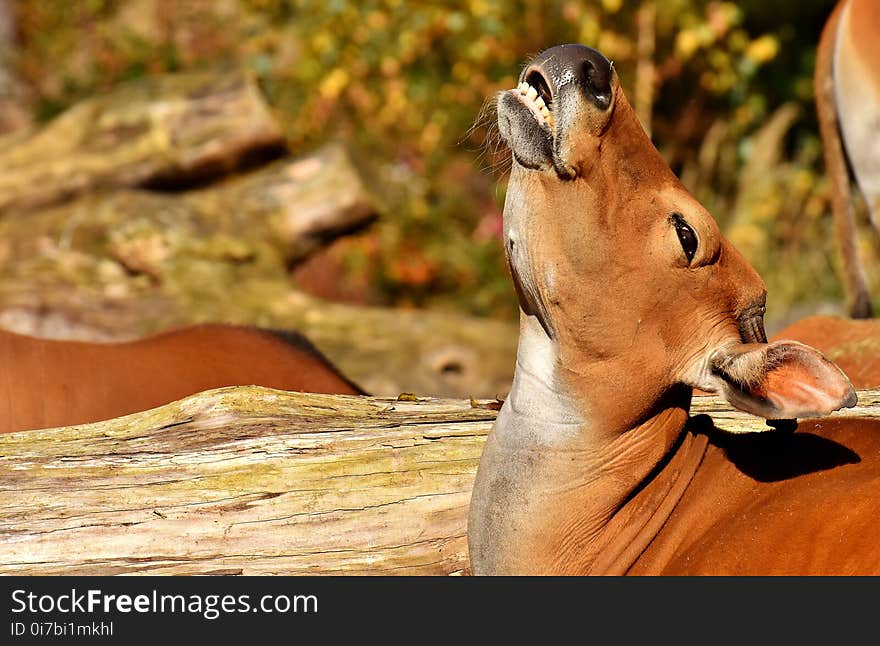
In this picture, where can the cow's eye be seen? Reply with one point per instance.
(686, 236)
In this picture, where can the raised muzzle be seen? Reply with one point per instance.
(565, 69)
(565, 93)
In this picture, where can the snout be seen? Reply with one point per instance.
(751, 323)
(566, 92)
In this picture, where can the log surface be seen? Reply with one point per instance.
(250, 480)
(173, 130)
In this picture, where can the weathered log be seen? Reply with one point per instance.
(176, 129)
(123, 264)
(302, 203)
(291, 206)
(257, 481)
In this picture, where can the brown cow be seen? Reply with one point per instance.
(853, 345)
(48, 383)
(630, 298)
(847, 88)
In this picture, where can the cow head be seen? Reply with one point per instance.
(626, 271)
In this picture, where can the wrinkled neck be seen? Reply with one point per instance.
(536, 396)
(552, 485)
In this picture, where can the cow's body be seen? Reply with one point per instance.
(847, 89)
(631, 299)
(47, 383)
(778, 504)
(854, 345)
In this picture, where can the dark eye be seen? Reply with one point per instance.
(686, 236)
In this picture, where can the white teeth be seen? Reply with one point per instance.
(537, 102)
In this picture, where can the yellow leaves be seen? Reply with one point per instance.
(395, 103)
(362, 98)
(721, 16)
(612, 6)
(763, 49)
(743, 115)
(571, 11)
(456, 21)
(478, 8)
(615, 46)
(430, 137)
(590, 30)
(390, 66)
(687, 42)
(323, 42)
(419, 209)
(377, 20)
(333, 85)
(478, 50)
(460, 71)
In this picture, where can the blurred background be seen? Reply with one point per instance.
(323, 165)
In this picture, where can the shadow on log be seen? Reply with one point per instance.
(255, 481)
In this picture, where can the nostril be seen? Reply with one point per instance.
(597, 80)
(537, 81)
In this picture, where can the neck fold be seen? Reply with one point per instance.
(554, 493)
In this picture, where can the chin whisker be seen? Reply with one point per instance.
(491, 150)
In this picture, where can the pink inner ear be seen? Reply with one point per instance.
(783, 380)
(801, 382)
(792, 385)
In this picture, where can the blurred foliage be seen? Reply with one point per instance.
(404, 82)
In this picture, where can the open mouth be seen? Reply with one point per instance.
(537, 100)
(535, 94)
(565, 97)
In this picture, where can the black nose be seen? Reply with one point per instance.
(751, 323)
(565, 65)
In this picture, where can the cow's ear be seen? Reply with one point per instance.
(781, 380)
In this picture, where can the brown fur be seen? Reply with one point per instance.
(593, 465)
(858, 22)
(852, 345)
(778, 504)
(49, 383)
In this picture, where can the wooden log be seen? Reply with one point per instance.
(172, 130)
(245, 480)
(126, 263)
(287, 208)
(301, 203)
(255, 481)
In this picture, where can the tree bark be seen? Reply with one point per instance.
(172, 131)
(255, 481)
(126, 263)
(293, 205)
(16, 101)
